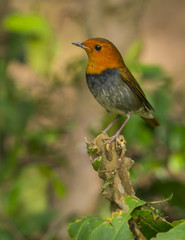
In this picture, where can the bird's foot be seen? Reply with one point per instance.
(108, 140)
(115, 137)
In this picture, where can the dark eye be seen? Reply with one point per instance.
(97, 47)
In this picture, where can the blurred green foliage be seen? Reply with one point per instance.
(26, 174)
(34, 35)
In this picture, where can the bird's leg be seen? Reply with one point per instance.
(111, 139)
(111, 124)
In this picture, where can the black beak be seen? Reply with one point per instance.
(78, 44)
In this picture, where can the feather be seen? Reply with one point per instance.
(129, 79)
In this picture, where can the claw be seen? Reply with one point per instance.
(108, 140)
(111, 139)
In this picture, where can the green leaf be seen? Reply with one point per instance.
(176, 233)
(26, 24)
(116, 227)
(97, 163)
(90, 149)
(149, 223)
(175, 223)
(82, 229)
(133, 202)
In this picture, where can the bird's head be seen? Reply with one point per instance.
(102, 55)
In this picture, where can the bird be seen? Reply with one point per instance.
(113, 85)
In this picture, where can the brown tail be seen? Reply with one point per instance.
(152, 121)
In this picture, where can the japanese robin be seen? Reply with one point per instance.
(113, 85)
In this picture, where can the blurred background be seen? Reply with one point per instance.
(46, 110)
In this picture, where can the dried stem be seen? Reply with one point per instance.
(113, 169)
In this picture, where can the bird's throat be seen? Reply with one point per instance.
(96, 69)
